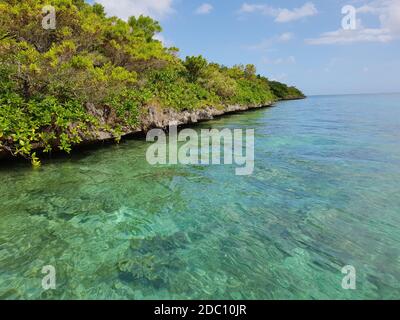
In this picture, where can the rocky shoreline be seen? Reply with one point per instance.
(154, 117)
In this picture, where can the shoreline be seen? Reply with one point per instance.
(155, 118)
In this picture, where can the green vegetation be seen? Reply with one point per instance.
(283, 92)
(53, 81)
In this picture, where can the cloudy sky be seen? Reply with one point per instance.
(300, 42)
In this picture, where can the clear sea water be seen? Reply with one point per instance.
(325, 193)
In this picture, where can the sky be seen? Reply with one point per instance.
(309, 44)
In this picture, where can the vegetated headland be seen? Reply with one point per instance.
(95, 78)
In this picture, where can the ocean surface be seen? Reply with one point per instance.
(325, 193)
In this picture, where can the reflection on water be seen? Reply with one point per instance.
(324, 194)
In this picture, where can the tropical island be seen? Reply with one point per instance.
(95, 78)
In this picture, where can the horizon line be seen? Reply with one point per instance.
(352, 94)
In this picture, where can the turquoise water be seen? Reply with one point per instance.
(324, 194)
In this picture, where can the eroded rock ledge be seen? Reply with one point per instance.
(154, 117)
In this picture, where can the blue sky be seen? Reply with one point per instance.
(299, 42)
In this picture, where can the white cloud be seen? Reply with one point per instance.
(266, 44)
(264, 9)
(388, 12)
(205, 8)
(307, 10)
(287, 36)
(281, 15)
(342, 36)
(368, 9)
(280, 61)
(125, 8)
(390, 18)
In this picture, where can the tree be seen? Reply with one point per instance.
(236, 72)
(195, 66)
(250, 71)
(145, 25)
(99, 10)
